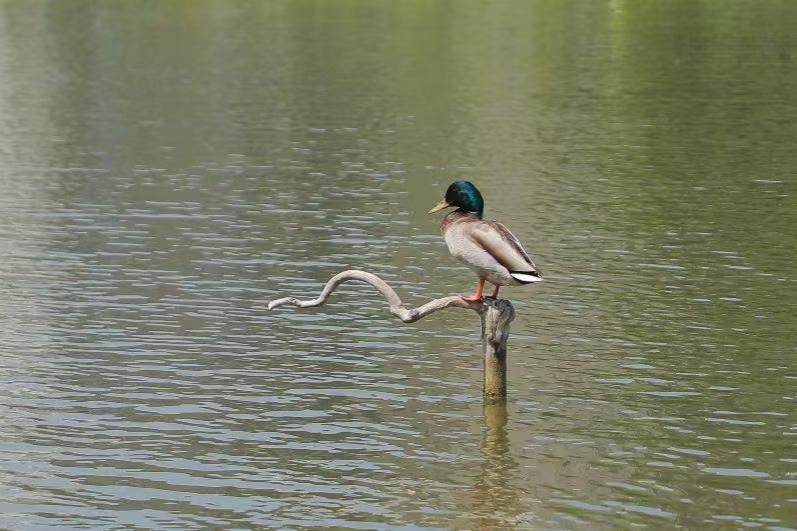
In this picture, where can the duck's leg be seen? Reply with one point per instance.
(495, 293)
(476, 297)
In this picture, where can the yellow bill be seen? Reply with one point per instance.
(440, 206)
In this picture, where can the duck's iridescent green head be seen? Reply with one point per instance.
(464, 195)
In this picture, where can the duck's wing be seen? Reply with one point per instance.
(502, 245)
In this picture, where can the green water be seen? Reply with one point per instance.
(168, 167)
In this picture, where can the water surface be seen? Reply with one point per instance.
(167, 167)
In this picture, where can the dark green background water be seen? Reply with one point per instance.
(167, 167)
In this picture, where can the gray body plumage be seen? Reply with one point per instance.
(489, 249)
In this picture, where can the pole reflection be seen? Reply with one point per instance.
(495, 496)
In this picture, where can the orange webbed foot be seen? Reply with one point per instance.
(476, 297)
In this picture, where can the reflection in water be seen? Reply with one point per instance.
(495, 494)
(166, 167)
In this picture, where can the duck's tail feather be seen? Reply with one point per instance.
(526, 277)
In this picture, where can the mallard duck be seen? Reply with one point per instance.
(486, 247)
